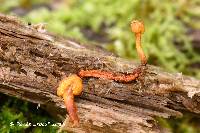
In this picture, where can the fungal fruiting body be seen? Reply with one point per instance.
(137, 27)
(72, 85)
(68, 87)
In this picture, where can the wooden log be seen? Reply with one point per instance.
(32, 64)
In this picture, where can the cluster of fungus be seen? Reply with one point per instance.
(72, 85)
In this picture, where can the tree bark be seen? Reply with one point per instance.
(32, 64)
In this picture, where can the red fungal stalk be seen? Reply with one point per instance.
(68, 97)
(138, 28)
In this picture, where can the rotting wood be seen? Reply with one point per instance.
(32, 64)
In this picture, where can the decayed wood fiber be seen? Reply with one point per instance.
(33, 63)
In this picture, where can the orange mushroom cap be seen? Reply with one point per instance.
(74, 82)
(137, 27)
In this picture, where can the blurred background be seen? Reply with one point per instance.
(171, 41)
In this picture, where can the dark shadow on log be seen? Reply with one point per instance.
(33, 63)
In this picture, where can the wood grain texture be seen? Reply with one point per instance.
(33, 63)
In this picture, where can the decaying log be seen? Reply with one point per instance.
(32, 64)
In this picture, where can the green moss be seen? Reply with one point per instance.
(187, 124)
(16, 115)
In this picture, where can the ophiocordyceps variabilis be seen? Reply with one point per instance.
(68, 87)
(72, 85)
